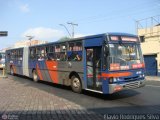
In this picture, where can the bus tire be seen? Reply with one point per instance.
(35, 76)
(76, 84)
(12, 71)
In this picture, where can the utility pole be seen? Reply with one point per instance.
(30, 38)
(66, 29)
(72, 24)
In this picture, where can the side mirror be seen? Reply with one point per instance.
(106, 50)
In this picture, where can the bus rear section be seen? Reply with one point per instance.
(17, 61)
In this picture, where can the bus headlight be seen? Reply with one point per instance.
(112, 80)
(142, 75)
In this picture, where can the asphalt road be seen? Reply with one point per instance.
(144, 100)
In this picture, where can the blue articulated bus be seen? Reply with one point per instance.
(104, 63)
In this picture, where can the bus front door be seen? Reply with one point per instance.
(93, 68)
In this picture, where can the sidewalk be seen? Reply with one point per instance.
(154, 78)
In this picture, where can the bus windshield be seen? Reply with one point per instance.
(124, 56)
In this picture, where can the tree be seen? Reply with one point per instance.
(64, 39)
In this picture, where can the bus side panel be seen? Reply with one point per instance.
(32, 65)
(14, 66)
(40, 68)
(19, 67)
(24, 64)
(85, 70)
(63, 73)
(66, 68)
(7, 61)
(44, 71)
(52, 70)
(19, 70)
(105, 87)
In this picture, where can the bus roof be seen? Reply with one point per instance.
(88, 37)
(82, 38)
(122, 34)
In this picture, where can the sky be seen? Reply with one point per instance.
(41, 18)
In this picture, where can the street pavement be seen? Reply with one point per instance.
(21, 98)
(24, 99)
(153, 78)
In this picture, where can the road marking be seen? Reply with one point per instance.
(153, 85)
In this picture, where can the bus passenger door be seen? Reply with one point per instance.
(93, 68)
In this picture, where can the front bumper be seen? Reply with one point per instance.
(128, 85)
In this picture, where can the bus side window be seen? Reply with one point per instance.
(51, 56)
(75, 51)
(57, 52)
(42, 54)
(63, 55)
(90, 55)
(19, 54)
(50, 53)
(32, 53)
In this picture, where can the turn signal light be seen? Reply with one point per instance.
(118, 88)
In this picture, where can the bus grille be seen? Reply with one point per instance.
(131, 79)
(132, 85)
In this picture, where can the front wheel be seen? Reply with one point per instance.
(35, 76)
(76, 84)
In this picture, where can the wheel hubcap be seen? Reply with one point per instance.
(76, 83)
(35, 76)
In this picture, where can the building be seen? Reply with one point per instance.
(26, 43)
(149, 31)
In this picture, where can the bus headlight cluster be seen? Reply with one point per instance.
(112, 80)
(139, 72)
(142, 75)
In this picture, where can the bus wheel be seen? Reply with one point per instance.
(76, 84)
(35, 76)
(11, 71)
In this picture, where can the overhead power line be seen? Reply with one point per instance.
(119, 12)
(118, 16)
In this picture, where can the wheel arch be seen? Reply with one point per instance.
(33, 69)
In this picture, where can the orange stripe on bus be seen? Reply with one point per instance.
(39, 72)
(121, 74)
(52, 69)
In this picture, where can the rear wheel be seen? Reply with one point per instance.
(35, 76)
(11, 71)
(76, 84)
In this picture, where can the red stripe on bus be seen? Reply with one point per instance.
(39, 72)
(108, 75)
(89, 75)
(14, 69)
(120, 74)
(52, 69)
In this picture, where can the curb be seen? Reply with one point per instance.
(150, 78)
